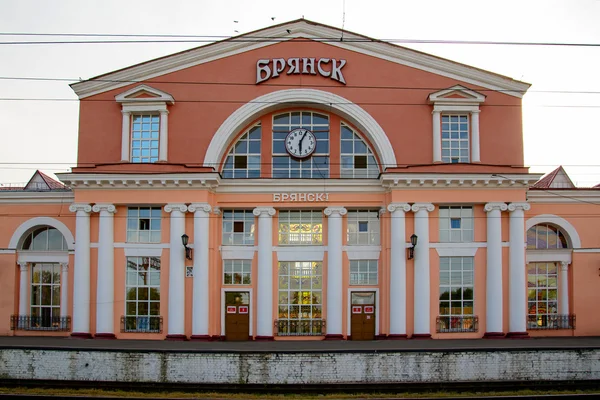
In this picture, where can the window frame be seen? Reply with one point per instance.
(354, 218)
(151, 232)
(54, 319)
(450, 144)
(371, 165)
(361, 268)
(452, 321)
(248, 218)
(248, 137)
(464, 222)
(314, 232)
(148, 322)
(230, 267)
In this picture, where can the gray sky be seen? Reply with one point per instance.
(559, 128)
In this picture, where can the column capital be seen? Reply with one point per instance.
(104, 207)
(127, 113)
(64, 266)
(329, 211)
(423, 206)
(176, 207)
(564, 266)
(23, 266)
(398, 207)
(76, 207)
(495, 206)
(163, 112)
(199, 207)
(519, 206)
(264, 211)
(475, 111)
(436, 112)
(216, 210)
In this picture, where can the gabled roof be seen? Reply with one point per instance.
(306, 29)
(41, 181)
(557, 179)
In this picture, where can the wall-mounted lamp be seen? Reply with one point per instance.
(413, 242)
(188, 251)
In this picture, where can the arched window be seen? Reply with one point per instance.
(545, 237)
(243, 161)
(357, 158)
(44, 238)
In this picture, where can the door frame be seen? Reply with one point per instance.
(250, 309)
(349, 308)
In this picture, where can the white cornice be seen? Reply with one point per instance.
(24, 197)
(488, 181)
(300, 29)
(208, 180)
(300, 186)
(564, 196)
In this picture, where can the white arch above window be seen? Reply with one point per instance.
(558, 221)
(41, 221)
(318, 99)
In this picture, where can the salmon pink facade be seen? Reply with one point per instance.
(289, 184)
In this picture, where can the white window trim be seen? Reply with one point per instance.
(356, 252)
(300, 253)
(467, 104)
(237, 252)
(131, 104)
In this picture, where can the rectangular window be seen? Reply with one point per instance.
(301, 227)
(456, 224)
(45, 296)
(143, 224)
(142, 295)
(145, 129)
(300, 298)
(237, 272)
(363, 272)
(238, 227)
(542, 295)
(456, 295)
(455, 138)
(363, 227)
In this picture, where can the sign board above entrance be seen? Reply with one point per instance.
(303, 197)
(326, 67)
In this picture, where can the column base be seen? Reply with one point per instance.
(109, 336)
(517, 335)
(81, 335)
(337, 336)
(493, 335)
(262, 338)
(396, 336)
(201, 338)
(419, 336)
(176, 337)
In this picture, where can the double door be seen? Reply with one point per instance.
(362, 317)
(237, 316)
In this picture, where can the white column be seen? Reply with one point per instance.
(437, 136)
(264, 297)
(81, 272)
(105, 283)
(493, 282)
(125, 136)
(563, 306)
(200, 289)
(421, 265)
(517, 288)
(176, 318)
(334, 271)
(23, 288)
(164, 136)
(398, 269)
(64, 290)
(475, 136)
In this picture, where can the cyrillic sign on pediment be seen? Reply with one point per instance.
(326, 67)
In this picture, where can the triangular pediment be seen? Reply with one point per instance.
(42, 182)
(300, 29)
(557, 179)
(144, 93)
(456, 94)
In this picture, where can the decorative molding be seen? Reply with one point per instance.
(300, 29)
(264, 211)
(495, 206)
(548, 255)
(237, 252)
(161, 96)
(205, 207)
(519, 206)
(362, 252)
(563, 196)
(465, 181)
(562, 223)
(300, 253)
(392, 207)
(43, 256)
(468, 96)
(456, 251)
(143, 252)
(24, 197)
(76, 207)
(455, 245)
(176, 207)
(592, 250)
(41, 221)
(335, 211)
(178, 181)
(422, 206)
(110, 208)
(319, 99)
(272, 186)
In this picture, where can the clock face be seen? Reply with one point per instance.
(300, 143)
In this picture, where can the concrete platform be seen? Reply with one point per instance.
(305, 346)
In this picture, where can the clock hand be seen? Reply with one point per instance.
(301, 140)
